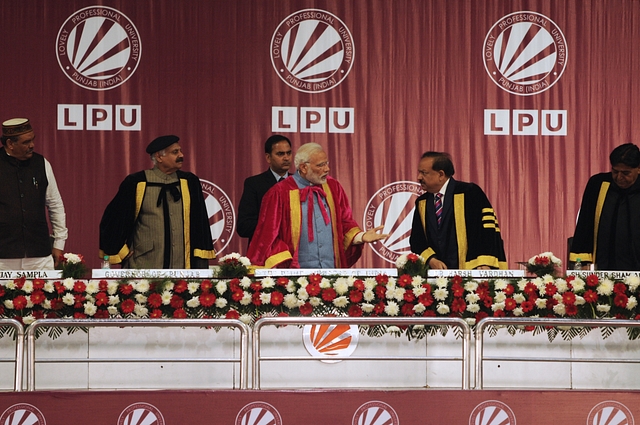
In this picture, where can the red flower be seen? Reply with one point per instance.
(354, 311)
(101, 314)
(234, 284)
(355, 296)
(179, 314)
(237, 295)
(60, 289)
(255, 299)
(329, 294)
(499, 313)
(37, 297)
(232, 314)
(358, 285)
(404, 280)
(407, 309)
(78, 315)
(381, 291)
(620, 300)
(382, 279)
(509, 290)
(590, 296)
(315, 278)
(20, 282)
(180, 286)
(429, 313)
(79, 287)
(127, 306)
(176, 301)
(38, 283)
(256, 286)
(550, 289)
(457, 280)
(306, 309)
(571, 309)
(510, 304)
(155, 313)
(125, 289)
(379, 308)
(206, 285)
(282, 281)
(458, 305)
(103, 285)
(283, 314)
(619, 288)
(568, 298)
(276, 298)
(206, 299)
(313, 289)
(458, 290)
(425, 299)
(154, 300)
(19, 302)
(409, 296)
(527, 306)
(2, 291)
(592, 280)
(481, 315)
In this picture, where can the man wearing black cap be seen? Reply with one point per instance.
(27, 193)
(158, 219)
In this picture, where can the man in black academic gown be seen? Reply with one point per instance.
(277, 152)
(608, 228)
(454, 225)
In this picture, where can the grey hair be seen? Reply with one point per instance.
(304, 152)
(153, 155)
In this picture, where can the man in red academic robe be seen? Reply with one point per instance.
(306, 221)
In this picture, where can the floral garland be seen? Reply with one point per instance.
(247, 299)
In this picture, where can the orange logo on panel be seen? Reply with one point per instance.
(330, 341)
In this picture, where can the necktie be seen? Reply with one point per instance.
(306, 194)
(438, 205)
(281, 178)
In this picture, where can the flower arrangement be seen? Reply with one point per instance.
(72, 266)
(544, 264)
(233, 265)
(247, 299)
(411, 264)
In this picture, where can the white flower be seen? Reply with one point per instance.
(315, 301)
(114, 299)
(27, 287)
(519, 298)
(49, 287)
(265, 297)
(560, 309)
(221, 302)
(68, 283)
(303, 294)
(401, 261)
(440, 294)
(471, 286)
(8, 304)
(419, 290)
(46, 304)
(268, 282)
(500, 297)
(562, 285)
(472, 297)
(547, 278)
(442, 282)
(140, 310)
(518, 311)
(392, 308)
(603, 308)
(541, 303)
(69, 299)
(470, 320)
(93, 287)
(112, 310)
(72, 258)
(522, 283)
(579, 300)
(291, 287)
(632, 303)
(166, 297)
(302, 281)
(11, 284)
(245, 318)
(473, 308)
(633, 282)
(244, 261)
(112, 287)
(192, 287)
(500, 284)
(419, 308)
(442, 308)
(367, 308)
(325, 283)
(29, 319)
(578, 284)
(605, 288)
(497, 306)
(341, 302)
(193, 302)
(549, 255)
(90, 309)
(368, 295)
(221, 287)
(398, 294)
(341, 286)
(169, 285)
(142, 286)
(246, 298)
(245, 282)
(417, 281)
(29, 303)
(370, 283)
(290, 301)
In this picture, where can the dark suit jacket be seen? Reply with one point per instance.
(249, 208)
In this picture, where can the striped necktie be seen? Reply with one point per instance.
(438, 205)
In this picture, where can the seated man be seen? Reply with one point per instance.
(454, 225)
(608, 228)
(306, 221)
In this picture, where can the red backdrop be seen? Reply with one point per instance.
(413, 76)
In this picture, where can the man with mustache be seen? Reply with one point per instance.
(306, 221)
(158, 219)
(277, 152)
(29, 192)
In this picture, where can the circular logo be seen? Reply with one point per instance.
(610, 413)
(330, 341)
(525, 53)
(222, 217)
(312, 51)
(392, 206)
(98, 48)
(258, 413)
(22, 413)
(375, 413)
(141, 414)
(492, 412)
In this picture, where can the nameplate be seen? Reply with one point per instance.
(30, 274)
(325, 272)
(151, 273)
(602, 274)
(487, 274)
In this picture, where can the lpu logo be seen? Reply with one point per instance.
(330, 342)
